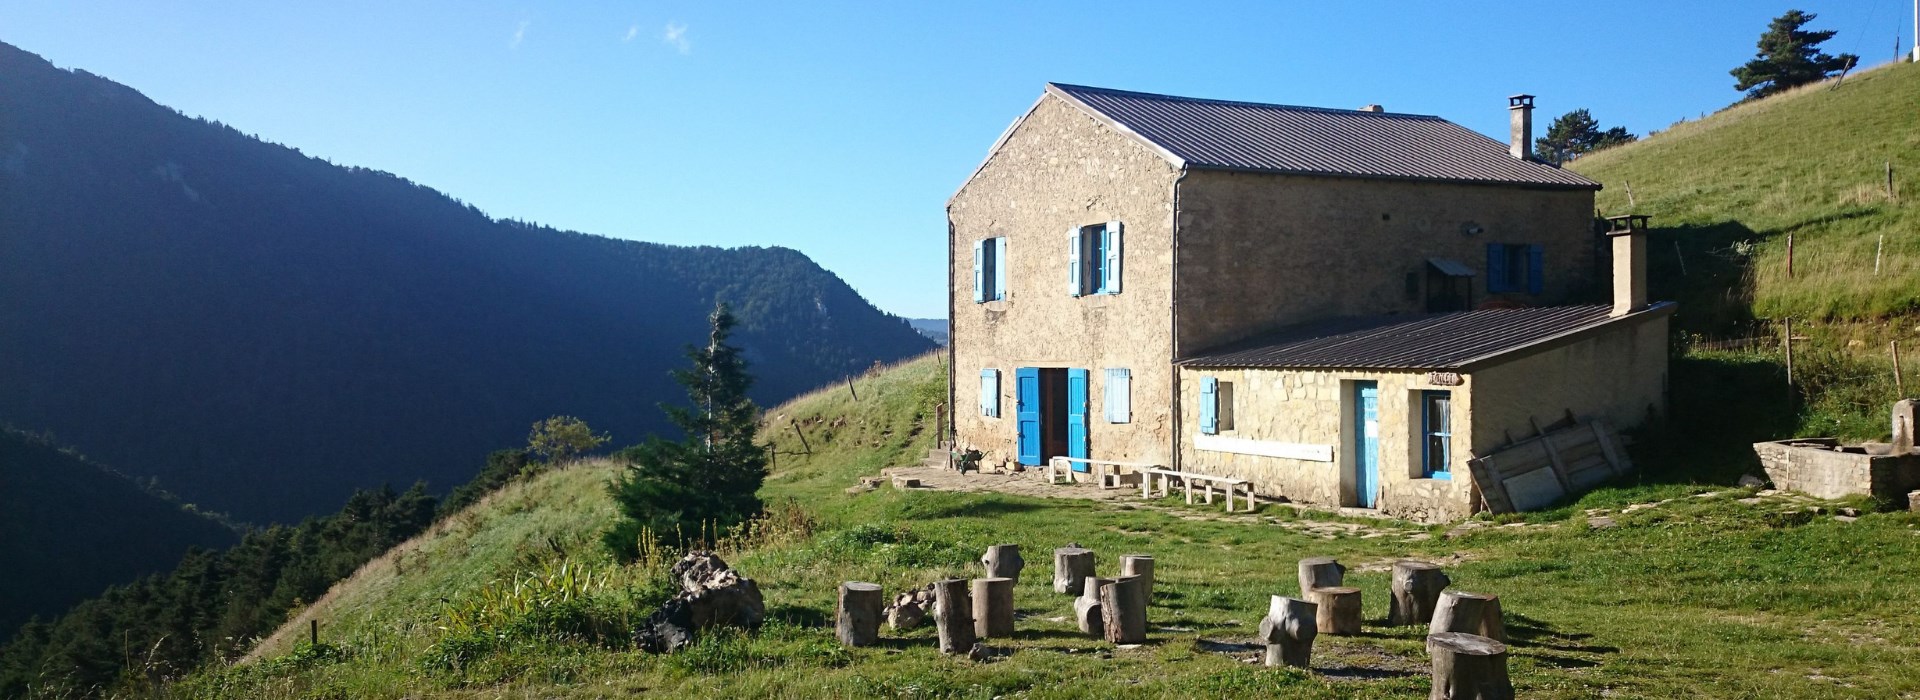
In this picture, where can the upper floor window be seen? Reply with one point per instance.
(1515, 267)
(1093, 259)
(990, 270)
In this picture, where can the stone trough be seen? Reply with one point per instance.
(1824, 468)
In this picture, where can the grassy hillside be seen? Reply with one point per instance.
(1704, 596)
(1810, 163)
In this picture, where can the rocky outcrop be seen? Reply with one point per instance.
(711, 594)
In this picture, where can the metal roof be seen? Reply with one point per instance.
(1453, 341)
(1450, 267)
(1256, 137)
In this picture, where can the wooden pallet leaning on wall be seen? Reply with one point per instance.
(1539, 471)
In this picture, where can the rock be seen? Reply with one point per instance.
(1752, 482)
(1845, 518)
(1850, 512)
(711, 595)
(909, 609)
(1600, 523)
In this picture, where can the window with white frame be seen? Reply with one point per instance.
(1094, 259)
(1216, 406)
(990, 270)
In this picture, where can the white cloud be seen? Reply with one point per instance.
(676, 37)
(519, 33)
(632, 32)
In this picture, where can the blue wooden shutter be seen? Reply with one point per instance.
(1496, 268)
(1000, 267)
(1536, 269)
(1074, 243)
(979, 271)
(1209, 405)
(990, 393)
(1111, 283)
(1026, 409)
(1118, 396)
(1077, 415)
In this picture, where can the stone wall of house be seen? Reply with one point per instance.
(1293, 410)
(1619, 376)
(1258, 251)
(1057, 169)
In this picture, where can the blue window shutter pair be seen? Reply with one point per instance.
(1536, 269)
(1496, 268)
(979, 271)
(1000, 268)
(1118, 395)
(990, 393)
(1209, 405)
(1110, 273)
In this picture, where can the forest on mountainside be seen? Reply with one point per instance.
(264, 332)
(69, 528)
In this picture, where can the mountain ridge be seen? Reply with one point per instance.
(253, 326)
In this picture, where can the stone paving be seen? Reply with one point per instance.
(1033, 483)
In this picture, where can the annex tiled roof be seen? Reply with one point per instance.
(1454, 341)
(1217, 134)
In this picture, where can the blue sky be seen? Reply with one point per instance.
(840, 129)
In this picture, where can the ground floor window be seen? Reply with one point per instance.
(1436, 418)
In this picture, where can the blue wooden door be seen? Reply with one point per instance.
(1077, 416)
(1026, 410)
(1366, 449)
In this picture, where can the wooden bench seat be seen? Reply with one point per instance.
(1187, 479)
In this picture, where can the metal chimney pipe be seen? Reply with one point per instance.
(1520, 110)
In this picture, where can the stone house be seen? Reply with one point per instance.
(1339, 306)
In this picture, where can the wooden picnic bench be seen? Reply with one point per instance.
(1166, 477)
(1099, 468)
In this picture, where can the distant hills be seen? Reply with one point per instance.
(934, 329)
(264, 331)
(69, 528)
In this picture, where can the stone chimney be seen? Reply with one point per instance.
(1629, 236)
(1520, 111)
(1373, 108)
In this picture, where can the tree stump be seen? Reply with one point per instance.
(953, 616)
(1123, 610)
(1339, 609)
(1071, 567)
(1320, 572)
(1494, 625)
(1288, 631)
(1416, 589)
(1086, 608)
(1460, 611)
(993, 607)
(1468, 667)
(1003, 561)
(1140, 565)
(858, 619)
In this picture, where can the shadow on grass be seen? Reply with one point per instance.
(948, 504)
(1533, 634)
(799, 616)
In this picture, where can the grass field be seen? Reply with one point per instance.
(1703, 597)
(1729, 190)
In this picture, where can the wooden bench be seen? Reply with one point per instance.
(1097, 467)
(1166, 477)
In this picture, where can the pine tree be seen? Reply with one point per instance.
(680, 492)
(1577, 133)
(1789, 57)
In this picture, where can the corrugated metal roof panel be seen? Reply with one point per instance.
(1315, 141)
(1433, 342)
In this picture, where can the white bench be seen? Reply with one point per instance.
(1166, 477)
(1059, 466)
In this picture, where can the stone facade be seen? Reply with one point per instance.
(1258, 251)
(1282, 410)
(1059, 168)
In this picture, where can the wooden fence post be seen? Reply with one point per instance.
(1899, 387)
